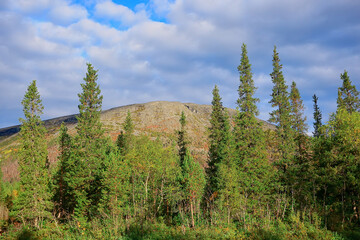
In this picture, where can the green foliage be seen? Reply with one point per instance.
(115, 202)
(317, 117)
(124, 140)
(219, 140)
(281, 115)
(297, 110)
(89, 127)
(338, 156)
(348, 96)
(253, 168)
(62, 197)
(4, 211)
(193, 183)
(154, 171)
(86, 162)
(246, 100)
(141, 188)
(182, 138)
(33, 204)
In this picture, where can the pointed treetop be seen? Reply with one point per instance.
(297, 110)
(279, 95)
(89, 126)
(128, 124)
(348, 95)
(182, 119)
(317, 117)
(246, 90)
(32, 102)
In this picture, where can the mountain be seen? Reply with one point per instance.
(156, 119)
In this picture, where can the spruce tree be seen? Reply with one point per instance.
(219, 140)
(34, 202)
(317, 117)
(298, 176)
(246, 101)
(348, 96)
(182, 141)
(89, 127)
(297, 110)
(89, 150)
(63, 198)
(192, 177)
(124, 140)
(250, 148)
(116, 187)
(281, 115)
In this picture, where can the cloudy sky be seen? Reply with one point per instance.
(173, 50)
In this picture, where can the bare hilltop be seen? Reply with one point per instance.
(158, 119)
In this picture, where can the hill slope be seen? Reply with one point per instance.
(156, 119)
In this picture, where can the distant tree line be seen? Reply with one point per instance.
(255, 178)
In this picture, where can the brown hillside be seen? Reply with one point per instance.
(156, 119)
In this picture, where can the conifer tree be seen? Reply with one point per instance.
(281, 115)
(348, 96)
(253, 166)
(90, 148)
(192, 176)
(317, 117)
(297, 110)
(89, 127)
(219, 152)
(64, 201)
(246, 101)
(298, 176)
(116, 187)
(219, 139)
(182, 141)
(34, 202)
(124, 140)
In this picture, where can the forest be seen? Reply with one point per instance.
(258, 183)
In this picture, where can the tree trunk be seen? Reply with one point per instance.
(192, 214)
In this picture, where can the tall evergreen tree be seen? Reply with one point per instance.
(246, 101)
(281, 115)
(348, 96)
(298, 176)
(89, 127)
(182, 141)
(219, 139)
(317, 117)
(297, 110)
(192, 177)
(90, 148)
(63, 197)
(253, 166)
(34, 202)
(219, 153)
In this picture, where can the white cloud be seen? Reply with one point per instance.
(198, 46)
(113, 11)
(66, 14)
(33, 6)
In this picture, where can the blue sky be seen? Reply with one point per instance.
(173, 50)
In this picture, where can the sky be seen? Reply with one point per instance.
(173, 50)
